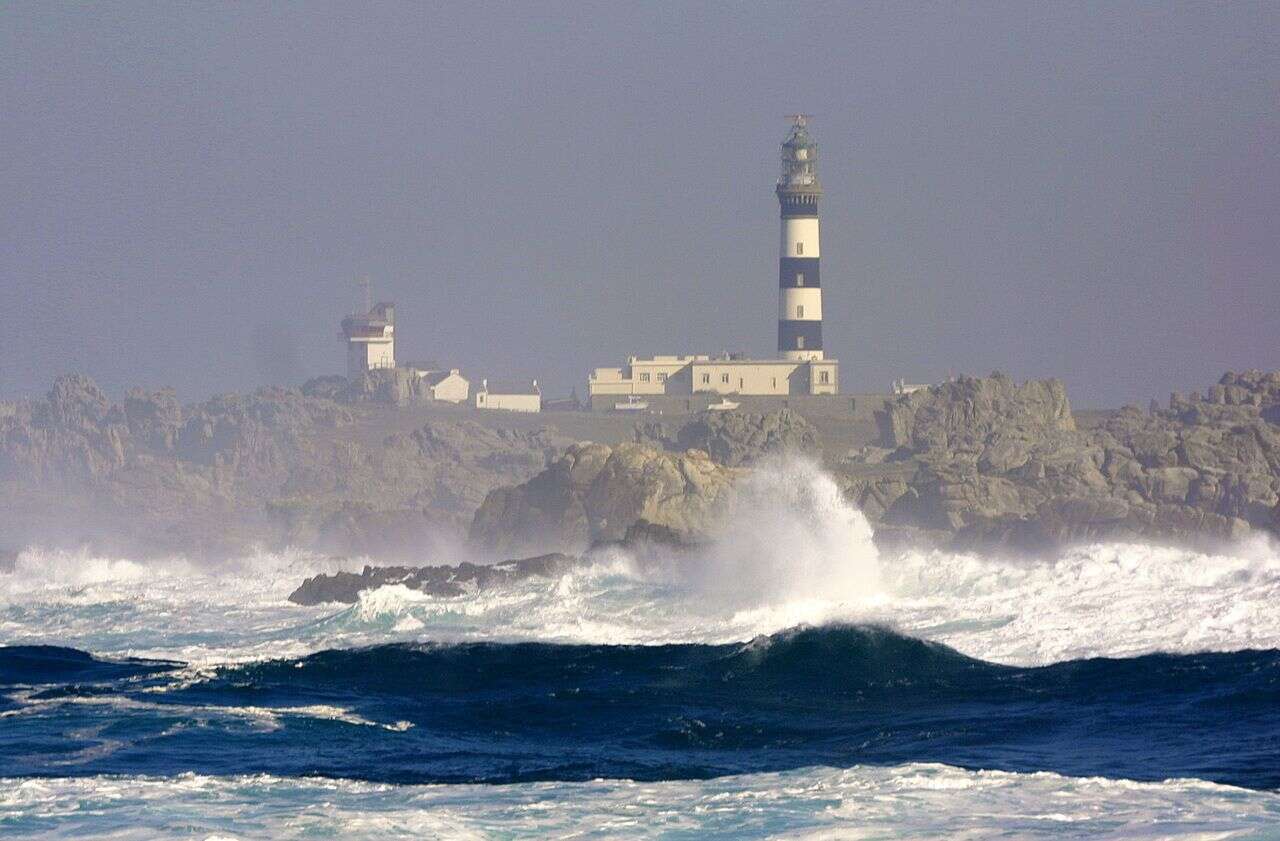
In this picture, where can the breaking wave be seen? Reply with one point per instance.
(916, 800)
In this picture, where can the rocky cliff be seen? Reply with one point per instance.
(982, 461)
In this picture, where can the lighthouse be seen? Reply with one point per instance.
(801, 372)
(799, 284)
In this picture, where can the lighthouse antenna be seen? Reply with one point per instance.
(366, 293)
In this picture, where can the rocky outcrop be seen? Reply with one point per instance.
(274, 467)
(79, 434)
(736, 439)
(446, 581)
(982, 461)
(973, 461)
(971, 415)
(390, 386)
(595, 493)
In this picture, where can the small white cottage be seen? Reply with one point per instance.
(509, 399)
(449, 386)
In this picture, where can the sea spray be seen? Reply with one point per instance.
(790, 536)
(792, 552)
(789, 550)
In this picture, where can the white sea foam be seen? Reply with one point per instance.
(905, 801)
(792, 552)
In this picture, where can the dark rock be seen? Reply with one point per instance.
(445, 581)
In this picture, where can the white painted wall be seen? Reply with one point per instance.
(758, 378)
(790, 299)
(803, 230)
(365, 355)
(452, 389)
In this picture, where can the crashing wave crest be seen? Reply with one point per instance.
(792, 552)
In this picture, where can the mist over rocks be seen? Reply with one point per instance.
(274, 467)
(975, 462)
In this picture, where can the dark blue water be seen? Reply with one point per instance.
(487, 712)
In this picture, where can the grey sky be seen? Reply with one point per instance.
(187, 192)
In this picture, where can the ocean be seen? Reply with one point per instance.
(790, 681)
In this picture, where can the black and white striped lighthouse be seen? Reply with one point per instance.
(799, 285)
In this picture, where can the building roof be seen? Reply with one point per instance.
(437, 377)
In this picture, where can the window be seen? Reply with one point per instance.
(799, 248)
(662, 378)
(824, 377)
(739, 383)
(724, 378)
(706, 378)
(800, 279)
(644, 378)
(799, 342)
(800, 311)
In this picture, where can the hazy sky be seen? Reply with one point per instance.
(187, 192)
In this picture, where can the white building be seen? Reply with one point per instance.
(449, 386)
(370, 338)
(712, 375)
(509, 399)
